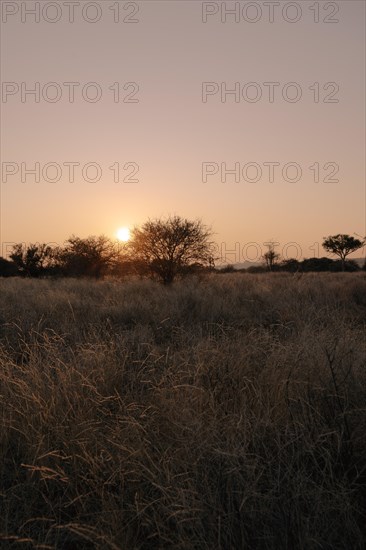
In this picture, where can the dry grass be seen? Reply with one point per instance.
(222, 414)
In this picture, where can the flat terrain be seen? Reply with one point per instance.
(222, 413)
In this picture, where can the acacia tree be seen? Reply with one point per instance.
(271, 256)
(171, 247)
(342, 245)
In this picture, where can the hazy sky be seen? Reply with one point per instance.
(169, 122)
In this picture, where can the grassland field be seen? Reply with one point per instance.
(227, 412)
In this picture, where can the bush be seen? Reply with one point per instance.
(7, 268)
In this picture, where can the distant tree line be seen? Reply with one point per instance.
(163, 249)
(309, 264)
(340, 245)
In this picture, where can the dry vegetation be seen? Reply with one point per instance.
(227, 413)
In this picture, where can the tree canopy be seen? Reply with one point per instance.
(91, 257)
(172, 247)
(342, 245)
(31, 260)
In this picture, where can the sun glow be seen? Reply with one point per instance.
(123, 234)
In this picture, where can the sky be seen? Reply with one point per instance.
(247, 115)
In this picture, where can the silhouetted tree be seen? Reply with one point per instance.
(172, 247)
(271, 256)
(342, 245)
(90, 257)
(32, 260)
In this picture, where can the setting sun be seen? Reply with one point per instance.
(123, 234)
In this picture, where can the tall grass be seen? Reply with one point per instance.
(221, 414)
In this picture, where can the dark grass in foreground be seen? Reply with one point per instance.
(225, 413)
